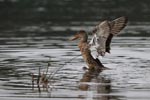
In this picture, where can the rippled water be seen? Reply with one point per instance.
(128, 79)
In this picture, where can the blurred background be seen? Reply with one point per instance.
(60, 16)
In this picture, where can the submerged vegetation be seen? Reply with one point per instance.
(42, 79)
(45, 79)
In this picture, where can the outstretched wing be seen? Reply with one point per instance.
(116, 26)
(104, 32)
(100, 36)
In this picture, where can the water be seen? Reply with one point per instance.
(33, 32)
(128, 78)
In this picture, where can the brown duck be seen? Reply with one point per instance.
(93, 64)
(102, 36)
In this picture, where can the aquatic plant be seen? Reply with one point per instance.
(45, 79)
(42, 79)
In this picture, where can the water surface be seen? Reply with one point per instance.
(128, 78)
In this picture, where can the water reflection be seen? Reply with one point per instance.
(99, 85)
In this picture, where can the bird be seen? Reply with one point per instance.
(93, 64)
(101, 40)
(104, 32)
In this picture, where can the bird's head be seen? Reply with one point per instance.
(82, 35)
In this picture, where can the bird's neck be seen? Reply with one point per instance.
(83, 41)
(84, 38)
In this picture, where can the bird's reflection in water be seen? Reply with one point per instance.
(97, 85)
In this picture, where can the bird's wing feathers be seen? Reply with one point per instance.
(99, 38)
(107, 29)
(108, 41)
(118, 24)
(103, 29)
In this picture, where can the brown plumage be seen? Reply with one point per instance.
(102, 36)
(104, 32)
(116, 26)
(86, 53)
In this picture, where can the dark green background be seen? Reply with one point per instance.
(16, 13)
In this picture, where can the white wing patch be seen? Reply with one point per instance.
(99, 38)
(103, 30)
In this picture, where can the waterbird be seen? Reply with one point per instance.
(101, 40)
(93, 64)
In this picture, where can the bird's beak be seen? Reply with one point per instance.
(73, 38)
